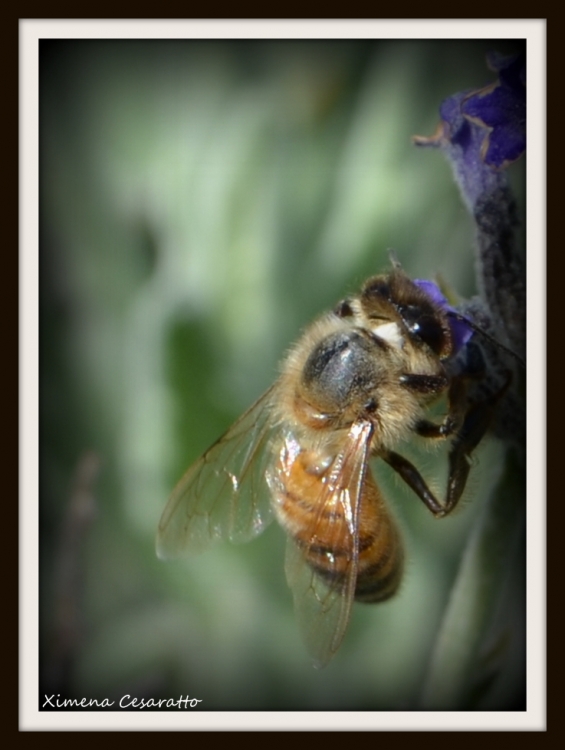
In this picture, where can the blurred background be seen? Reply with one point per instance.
(200, 204)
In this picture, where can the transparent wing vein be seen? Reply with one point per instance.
(224, 494)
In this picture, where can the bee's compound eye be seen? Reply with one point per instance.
(426, 326)
(343, 309)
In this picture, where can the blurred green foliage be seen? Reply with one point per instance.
(200, 203)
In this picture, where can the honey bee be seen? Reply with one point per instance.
(359, 381)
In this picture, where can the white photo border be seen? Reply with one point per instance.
(534, 32)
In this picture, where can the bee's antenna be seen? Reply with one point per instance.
(488, 337)
(395, 263)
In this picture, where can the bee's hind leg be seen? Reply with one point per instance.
(414, 480)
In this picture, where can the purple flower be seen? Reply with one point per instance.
(501, 109)
(460, 329)
(480, 133)
(483, 130)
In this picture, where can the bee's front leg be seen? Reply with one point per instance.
(467, 426)
(457, 404)
(477, 421)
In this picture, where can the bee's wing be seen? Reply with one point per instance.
(323, 604)
(224, 494)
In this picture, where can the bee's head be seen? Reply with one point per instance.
(418, 307)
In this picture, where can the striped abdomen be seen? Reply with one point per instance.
(323, 532)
